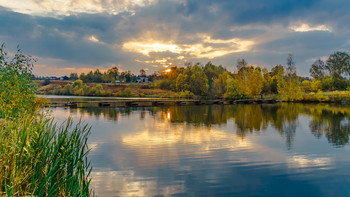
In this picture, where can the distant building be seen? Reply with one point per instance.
(53, 78)
(142, 80)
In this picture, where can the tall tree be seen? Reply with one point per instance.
(255, 82)
(198, 81)
(317, 69)
(288, 84)
(219, 86)
(338, 63)
(73, 76)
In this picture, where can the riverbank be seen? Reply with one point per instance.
(57, 87)
(143, 90)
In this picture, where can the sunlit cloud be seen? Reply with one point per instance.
(305, 28)
(93, 38)
(69, 7)
(146, 48)
(162, 62)
(208, 48)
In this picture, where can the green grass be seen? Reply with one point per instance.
(39, 158)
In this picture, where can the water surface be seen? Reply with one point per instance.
(219, 150)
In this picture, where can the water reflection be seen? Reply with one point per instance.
(331, 121)
(218, 150)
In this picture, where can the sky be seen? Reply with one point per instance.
(66, 36)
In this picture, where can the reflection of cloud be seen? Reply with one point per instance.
(305, 28)
(305, 161)
(164, 145)
(126, 183)
(208, 48)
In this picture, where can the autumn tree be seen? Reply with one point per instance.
(219, 85)
(198, 81)
(288, 83)
(181, 82)
(316, 85)
(231, 88)
(255, 82)
(276, 73)
(267, 81)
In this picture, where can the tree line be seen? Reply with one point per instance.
(248, 81)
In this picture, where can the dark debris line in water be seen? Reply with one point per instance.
(283, 149)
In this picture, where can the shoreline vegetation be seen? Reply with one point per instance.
(38, 157)
(146, 91)
(210, 81)
(328, 83)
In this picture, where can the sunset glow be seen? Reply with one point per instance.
(153, 34)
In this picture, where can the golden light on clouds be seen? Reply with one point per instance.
(147, 48)
(208, 48)
(306, 27)
(68, 7)
(93, 38)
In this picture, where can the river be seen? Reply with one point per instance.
(280, 149)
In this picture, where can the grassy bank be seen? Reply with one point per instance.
(102, 89)
(37, 156)
(327, 97)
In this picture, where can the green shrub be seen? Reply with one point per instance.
(17, 91)
(126, 92)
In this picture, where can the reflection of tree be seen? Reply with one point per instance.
(198, 115)
(286, 122)
(331, 122)
(112, 113)
(248, 118)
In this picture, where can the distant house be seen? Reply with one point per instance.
(142, 80)
(119, 81)
(53, 78)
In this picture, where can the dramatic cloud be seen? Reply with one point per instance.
(69, 7)
(151, 34)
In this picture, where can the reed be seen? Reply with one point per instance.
(40, 158)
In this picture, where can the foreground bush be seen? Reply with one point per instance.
(37, 157)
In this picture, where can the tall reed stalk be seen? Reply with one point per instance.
(39, 158)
